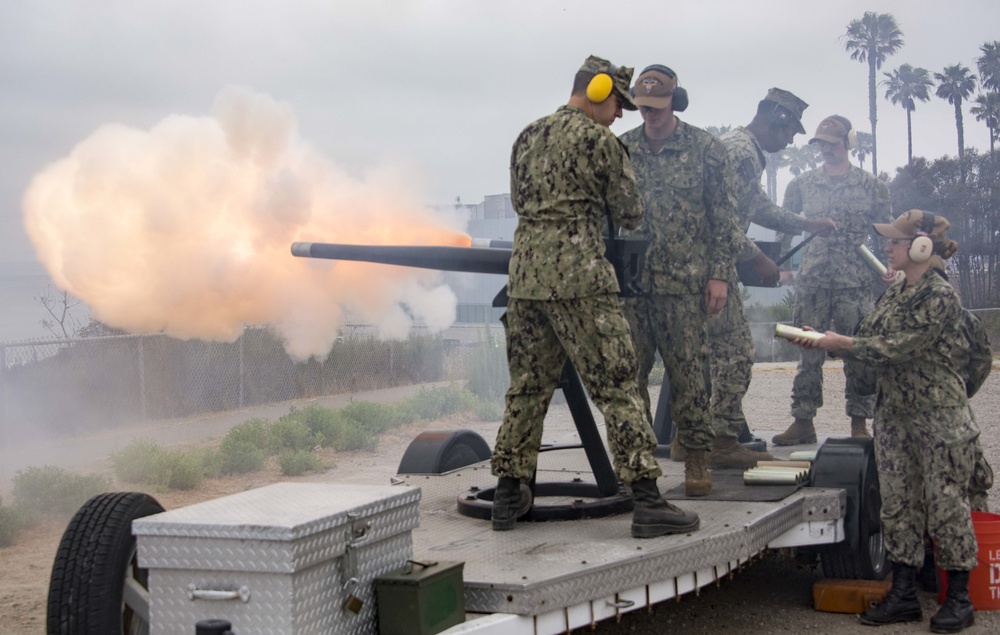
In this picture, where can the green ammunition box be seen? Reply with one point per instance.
(423, 599)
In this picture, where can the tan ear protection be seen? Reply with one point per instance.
(600, 87)
(851, 140)
(922, 247)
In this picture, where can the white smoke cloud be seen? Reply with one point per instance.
(186, 229)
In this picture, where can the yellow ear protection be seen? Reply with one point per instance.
(922, 247)
(851, 140)
(600, 87)
(679, 101)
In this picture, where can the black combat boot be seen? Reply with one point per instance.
(901, 605)
(653, 516)
(511, 501)
(956, 613)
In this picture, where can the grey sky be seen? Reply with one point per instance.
(444, 86)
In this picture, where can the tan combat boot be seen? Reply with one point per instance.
(677, 450)
(697, 479)
(858, 428)
(801, 431)
(728, 453)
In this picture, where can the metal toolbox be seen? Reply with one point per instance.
(289, 558)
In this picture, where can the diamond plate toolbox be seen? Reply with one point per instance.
(286, 559)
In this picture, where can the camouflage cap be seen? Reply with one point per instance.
(789, 102)
(910, 224)
(831, 130)
(621, 78)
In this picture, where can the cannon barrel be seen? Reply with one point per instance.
(626, 256)
(468, 259)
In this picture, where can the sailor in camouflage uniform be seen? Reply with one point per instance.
(731, 350)
(687, 193)
(833, 284)
(925, 437)
(568, 173)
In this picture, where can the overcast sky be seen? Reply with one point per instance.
(444, 86)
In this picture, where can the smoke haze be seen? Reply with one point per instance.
(186, 229)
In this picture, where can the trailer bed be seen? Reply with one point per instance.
(549, 577)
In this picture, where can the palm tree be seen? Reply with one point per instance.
(871, 40)
(863, 147)
(775, 161)
(955, 85)
(906, 85)
(987, 110)
(989, 65)
(798, 159)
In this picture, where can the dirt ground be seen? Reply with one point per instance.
(773, 595)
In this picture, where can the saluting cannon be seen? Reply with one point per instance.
(493, 256)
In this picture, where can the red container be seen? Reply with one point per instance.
(984, 580)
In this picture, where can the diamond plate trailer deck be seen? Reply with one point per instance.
(551, 577)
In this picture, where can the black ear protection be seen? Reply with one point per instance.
(679, 102)
(851, 140)
(922, 247)
(600, 86)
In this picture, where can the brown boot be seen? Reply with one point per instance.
(728, 453)
(858, 428)
(677, 450)
(697, 479)
(801, 431)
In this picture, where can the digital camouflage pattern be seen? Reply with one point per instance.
(910, 338)
(840, 310)
(923, 480)
(855, 202)
(753, 205)
(833, 284)
(594, 334)
(730, 343)
(974, 362)
(669, 324)
(924, 432)
(567, 173)
(688, 195)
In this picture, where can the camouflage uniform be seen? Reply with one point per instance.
(924, 434)
(974, 362)
(687, 193)
(730, 344)
(567, 173)
(833, 284)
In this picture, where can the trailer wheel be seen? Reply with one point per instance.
(849, 464)
(440, 451)
(97, 587)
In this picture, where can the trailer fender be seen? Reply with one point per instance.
(440, 451)
(849, 464)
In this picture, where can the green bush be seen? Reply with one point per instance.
(140, 462)
(358, 437)
(183, 470)
(434, 403)
(251, 433)
(327, 425)
(11, 523)
(297, 462)
(240, 458)
(53, 489)
(292, 433)
(378, 417)
(489, 409)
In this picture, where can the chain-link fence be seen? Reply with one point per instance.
(72, 386)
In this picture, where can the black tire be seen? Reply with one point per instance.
(441, 451)
(95, 560)
(850, 464)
